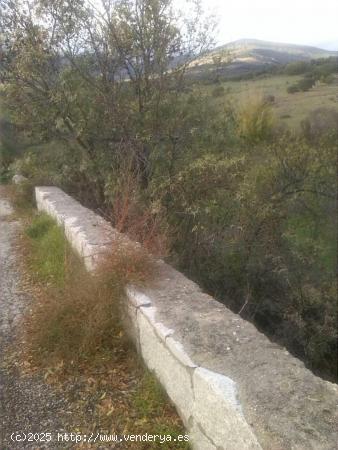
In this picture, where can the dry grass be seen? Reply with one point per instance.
(255, 119)
(142, 223)
(77, 317)
(22, 197)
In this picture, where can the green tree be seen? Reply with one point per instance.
(98, 79)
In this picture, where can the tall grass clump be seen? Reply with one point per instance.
(77, 316)
(255, 119)
(22, 196)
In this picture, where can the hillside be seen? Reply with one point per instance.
(252, 55)
(288, 109)
(244, 47)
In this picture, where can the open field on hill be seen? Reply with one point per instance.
(289, 109)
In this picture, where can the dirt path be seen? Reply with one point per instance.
(27, 403)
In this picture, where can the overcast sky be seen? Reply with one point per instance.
(312, 22)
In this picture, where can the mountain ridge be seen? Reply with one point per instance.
(245, 56)
(272, 44)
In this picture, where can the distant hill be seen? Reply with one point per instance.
(244, 47)
(252, 55)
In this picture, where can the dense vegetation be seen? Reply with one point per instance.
(105, 108)
(322, 70)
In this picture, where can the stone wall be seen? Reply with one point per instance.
(233, 388)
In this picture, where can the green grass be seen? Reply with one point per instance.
(5, 175)
(149, 398)
(48, 250)
(289, 109)
(150, 402)
(40, 226)
(315, 241)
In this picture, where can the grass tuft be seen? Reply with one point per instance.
(151, 404)
(22, 196)
(149, 397)
(39, 226)
(48, 250)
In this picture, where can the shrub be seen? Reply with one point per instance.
(76, 323)
(258, 233)
(293, 88)
(23, 195)
(327, 79)
(296, 68)
(269, 98)
(11, 144)
(326, 68)
(306, 83)
(218, 91)
(303, 85)
(5, 175)
(130, 214)
(320, 123)
(45, 164)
